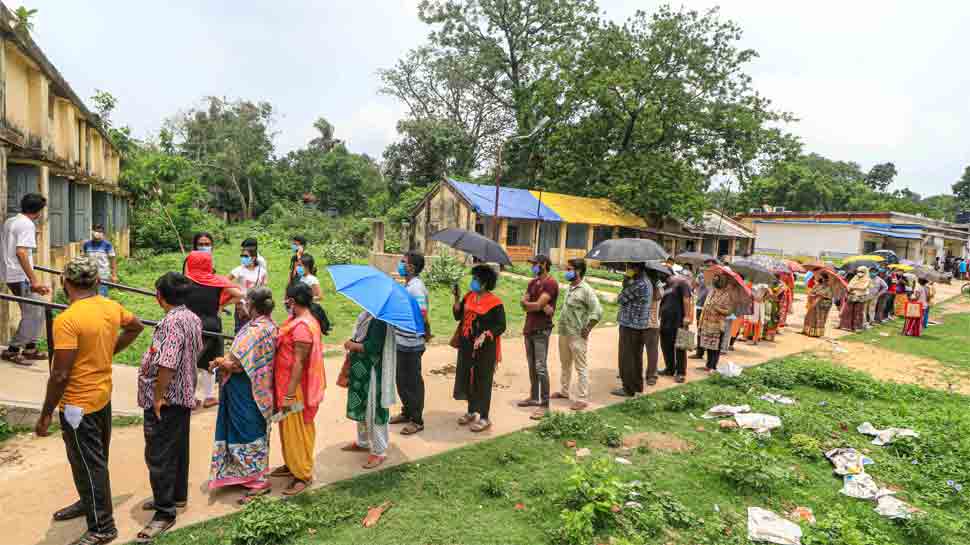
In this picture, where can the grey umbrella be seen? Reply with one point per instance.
(694, 258)
(472, 243)
(627, 250)
(753, 271)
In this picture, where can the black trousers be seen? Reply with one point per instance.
(410, 385)
(87, 453)
(714, 356)
(675, 360)
(632, 343)
(480, 396)
(167, 458)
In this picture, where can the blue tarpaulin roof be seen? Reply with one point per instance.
(513, 203)
(893, 234)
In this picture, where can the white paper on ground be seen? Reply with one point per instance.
(886, 436)
(767, 527)
(761, 423)
(729, 369)
(891, 507)
(863, 487)
(848, 461)
(73, 414)
(777, 398)
(719, 411)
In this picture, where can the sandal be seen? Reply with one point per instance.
(70, 512)
(281, 471)
(579, 406)
(94, 538)
(209, 403)
(296, 488)
(481, 426)
(374, 461)
(467, 419)
(34, 355)
(539, 414)
(154, 529)
(411, 428)
(680, 379)
(354, 447)
(17, 359)
(253, 494)
(558, 395)
(150, 505)
(399, 419)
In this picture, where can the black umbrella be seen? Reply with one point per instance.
(929, 274)
(472, 243)
(694, 258)
(868, 263)
(659, 267)
(627, 250)
(753, 271)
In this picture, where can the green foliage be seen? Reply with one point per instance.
(6, 430)
(405, 202)
(338, 253)
(494, 486)
(583, 425)
(592, 493)
(25, 19)
(805, 446)
(268, 522)
(745, 464)
(961, 189)
(444, 270)
(685, 400)
(429, 149)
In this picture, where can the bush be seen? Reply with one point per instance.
(268, 522)
(337, 253)
(445, 270)
(805, 446)
(747, 466)
(580, 425)
(494, 486)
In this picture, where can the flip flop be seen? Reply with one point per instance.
(374, 461)
(253, 494)
(281, 471)
(296, 488)
(354, 447)
(411, 428)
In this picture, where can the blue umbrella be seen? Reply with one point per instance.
(379, 295)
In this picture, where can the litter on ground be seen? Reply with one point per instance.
(767, 527)
(886, 436)
(802, 514)
(863, 487)
(848, 461)
(583, 452)
(729, 369)
(760, 423)
(624, 461)
(894, 508)
(777, 398)
(719, 411)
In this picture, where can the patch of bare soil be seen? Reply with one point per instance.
(10, 456)
(664, 442)
(957, 306)
(901, 368)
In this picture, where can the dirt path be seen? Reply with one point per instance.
(35, 477)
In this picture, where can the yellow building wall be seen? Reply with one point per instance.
(16, 90)
(443, 210)
(37, 119)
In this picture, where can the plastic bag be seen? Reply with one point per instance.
(777, 398)
(760, 423)
(863, 487)
(894, 508)
(719, 411)
(848, 461)
(729, 369)
(886, 436)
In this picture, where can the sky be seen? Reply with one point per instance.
(869, 81)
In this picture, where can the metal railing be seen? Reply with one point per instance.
(104, 282)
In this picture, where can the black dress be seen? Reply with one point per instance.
(476, 368)
(204, 302)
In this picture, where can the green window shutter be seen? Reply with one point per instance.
(58, 211)
(80, 201)
(21, 180)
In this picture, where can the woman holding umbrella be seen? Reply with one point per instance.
(721, 302)
(819, 304)
(482, 322)
(853, 317)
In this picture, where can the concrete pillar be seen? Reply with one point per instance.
(43, 255)
(562, 242)
(377, 229)
(5, 322)
(503, 231)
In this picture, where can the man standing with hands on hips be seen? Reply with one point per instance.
(86, 337)
(539, 302)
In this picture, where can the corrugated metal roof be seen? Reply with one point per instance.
(720, 225)
(513, 203)
(593, 211)
(892, 234)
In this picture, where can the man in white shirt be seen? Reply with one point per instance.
(18, 241)
(410, 349)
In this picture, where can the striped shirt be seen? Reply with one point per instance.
(410, 342)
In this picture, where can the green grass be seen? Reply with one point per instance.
(470, 495)
(948, 342)
(118, 421)
(341, 311)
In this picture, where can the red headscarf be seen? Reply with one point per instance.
(198, 268)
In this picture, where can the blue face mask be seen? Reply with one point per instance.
(536, 270)
(402, 269)
(206, 249)
(295, 247)
(246, 261)
(299, 270)
(570, 275)
(475, 285)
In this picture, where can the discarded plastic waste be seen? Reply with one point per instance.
(633, 505)
(767, 527)
(729, 369)
(891, 507)
(863, 487)
(760, 423)
(848, 461)
(583, 452)
(624, 461)
(886, 436)
(719, 411)
(802, 514)
(777, 398)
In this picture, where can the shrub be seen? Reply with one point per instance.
(337, 253)
(805, 446)
(268, 522)
(444, 270)
(747, 466)
(685, 399)
(580, 425)
(494, 486)
(6, 430)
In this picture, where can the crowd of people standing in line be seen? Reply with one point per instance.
(274, 373)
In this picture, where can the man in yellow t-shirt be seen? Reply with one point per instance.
(86, 336)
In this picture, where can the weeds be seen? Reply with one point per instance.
(495, 487)
(268, 522)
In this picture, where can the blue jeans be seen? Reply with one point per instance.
(926, 318)
(102, 290)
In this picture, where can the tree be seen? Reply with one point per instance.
(233, 143)
(961, 190)
(880, 176)
(435, 86)
(659, 105)
(511, 50)
(325, 142)
(429, 149)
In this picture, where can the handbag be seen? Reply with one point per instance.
(343, 380)
(914, 310)
(685, 339)
(455, 341)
